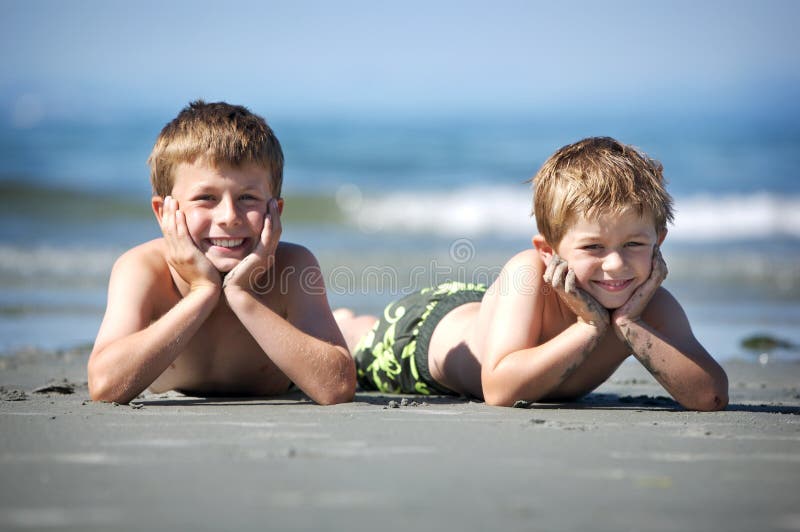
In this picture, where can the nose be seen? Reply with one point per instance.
(613, 261)
(226, 213)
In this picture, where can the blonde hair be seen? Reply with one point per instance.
(597, 175)
(221, 133)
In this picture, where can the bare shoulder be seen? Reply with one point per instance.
(511, 312)
(303, 290)
(525, 257)
(140, 289)
(294, 255)
(665, 313)
(527, 261)
(143, 269)
(148, 258)
(297, 273)
(295, 264)
(521, 275)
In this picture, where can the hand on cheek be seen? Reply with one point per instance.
(632, 310)
(562, 278)
(182, 253)
(262, 258)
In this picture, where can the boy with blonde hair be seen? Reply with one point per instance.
(218, 305)
(561, 317)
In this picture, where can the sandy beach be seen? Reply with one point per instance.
(625, 458)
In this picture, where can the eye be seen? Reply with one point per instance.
(203, 197)
(249, 197)
(634, 244)
(591, 247)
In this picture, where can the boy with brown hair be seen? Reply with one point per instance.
(172, 323)
(561, 317)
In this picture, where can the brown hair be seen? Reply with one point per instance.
(222, 134)
(597, 175)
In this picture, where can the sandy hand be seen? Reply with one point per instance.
(632, 310)
(182, 253)
(562, 278)
(246, 274)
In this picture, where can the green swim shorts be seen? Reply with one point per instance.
(393, 356)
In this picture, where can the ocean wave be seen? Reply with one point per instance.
(46, 264)
(470, 211)
(482, 210)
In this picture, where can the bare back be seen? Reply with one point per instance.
(513, 315)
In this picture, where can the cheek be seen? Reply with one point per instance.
(255, 219)
(583, 269)
(195, 222)
(643, 261)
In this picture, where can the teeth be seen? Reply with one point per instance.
(227, 242)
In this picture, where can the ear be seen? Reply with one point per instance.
(662, 235)
(280, 206)
(157, 203)
(545, 250)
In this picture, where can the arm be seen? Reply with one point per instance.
(307, 346)
(130, 352)
(675, 358)
(654, 326)
(517, 365)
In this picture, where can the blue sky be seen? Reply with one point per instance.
(70, 58)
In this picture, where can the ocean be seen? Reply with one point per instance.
(390, 204)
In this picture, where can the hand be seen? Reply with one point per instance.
(182, 253)
(632, 310)
(262, 258)
(562, 278)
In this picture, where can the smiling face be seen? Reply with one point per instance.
(224, 207)
(611, 255)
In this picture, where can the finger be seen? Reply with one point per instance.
(548, 272)
(559, 274)
(168, 218)
(165, 213)
(569, 282)
(659, 264)
(266, 233)
(181, 228)
(551, 266)
(230, 275)
(275, 213)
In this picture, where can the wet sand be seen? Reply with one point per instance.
(625, 458)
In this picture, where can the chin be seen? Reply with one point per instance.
(612, 303)
(225, 266)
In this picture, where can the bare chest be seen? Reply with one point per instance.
(223, 358)
(557, 317)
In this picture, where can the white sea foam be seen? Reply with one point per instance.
(479, 211)
(53, 262)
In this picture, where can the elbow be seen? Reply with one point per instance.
(713, 398)
(337, 395)
(718, 399)
(98, 386)
(506, 399)
(498, 393)
(101, 388)
(493, 399)
(343, 390)
(711, 402)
